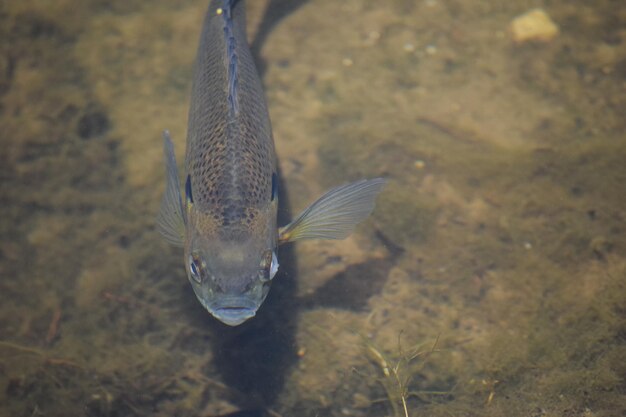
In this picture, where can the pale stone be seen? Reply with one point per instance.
(534, 25)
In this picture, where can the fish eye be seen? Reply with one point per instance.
(195, 270)
(269, 266)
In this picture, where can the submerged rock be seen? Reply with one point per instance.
(534, 26)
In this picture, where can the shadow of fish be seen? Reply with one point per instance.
(227, 219)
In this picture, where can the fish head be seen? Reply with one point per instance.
(231, 273)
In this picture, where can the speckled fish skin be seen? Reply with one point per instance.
(230, 162)
(227, 222)
(230, 152)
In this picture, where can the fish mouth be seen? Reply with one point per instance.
(233, 312)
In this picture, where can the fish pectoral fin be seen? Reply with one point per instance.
(335, 214)
(171, 217)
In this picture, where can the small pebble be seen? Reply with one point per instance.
(374, 35)
(431, 49)
(372, 38)
(533, 26)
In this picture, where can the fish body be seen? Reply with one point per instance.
(227, 220)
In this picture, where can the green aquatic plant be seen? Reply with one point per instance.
(398, 372)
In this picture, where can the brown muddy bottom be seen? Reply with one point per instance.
(490, 280)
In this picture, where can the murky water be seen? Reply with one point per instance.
(491, 279)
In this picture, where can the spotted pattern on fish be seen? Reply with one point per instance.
(230, 151)
(231, 58)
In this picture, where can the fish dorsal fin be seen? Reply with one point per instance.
(335, 214)
(171, 217)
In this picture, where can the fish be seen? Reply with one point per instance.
(226, 218)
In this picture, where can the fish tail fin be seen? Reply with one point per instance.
(336, 213)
